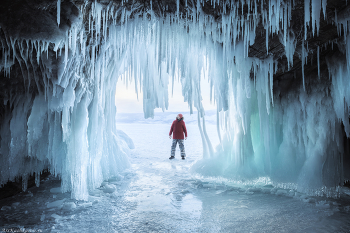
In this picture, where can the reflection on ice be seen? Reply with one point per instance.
(192, 204)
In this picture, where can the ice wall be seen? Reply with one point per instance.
(65, 120)
(295, 138)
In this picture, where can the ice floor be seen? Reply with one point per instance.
(159, 195)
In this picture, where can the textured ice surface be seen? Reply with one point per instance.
(160, 195)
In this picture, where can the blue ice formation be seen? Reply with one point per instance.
(67, 123)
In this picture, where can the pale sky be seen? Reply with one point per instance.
(126, 98)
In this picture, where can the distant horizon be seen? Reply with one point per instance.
(169, 112)
(127, 101)
(163, 117)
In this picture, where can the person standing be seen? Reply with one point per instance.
(178, 129)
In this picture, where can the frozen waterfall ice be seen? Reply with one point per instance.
(68, 124)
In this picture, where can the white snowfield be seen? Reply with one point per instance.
(295, 140)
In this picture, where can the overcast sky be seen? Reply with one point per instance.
(126, 98)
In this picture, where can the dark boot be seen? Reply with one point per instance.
(172, 157)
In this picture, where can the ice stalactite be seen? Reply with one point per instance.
(58, 12)
(312, 13)
(68, 124)
(303, 61)
(298, 141)
(294, 138)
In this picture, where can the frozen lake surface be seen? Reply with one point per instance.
(161, 195)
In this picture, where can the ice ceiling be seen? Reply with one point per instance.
(279, 72)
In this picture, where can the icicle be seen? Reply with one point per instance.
(58, 12)
(303, 62)
(47, 50)
(318, 61)
(336, 22)
(74, 40)
(38, 52)
(178, 9)
(316, 13)
(324, 8)
(285, 27)
(306, 16)
(82, 42)
(66, 50)
(271, 80)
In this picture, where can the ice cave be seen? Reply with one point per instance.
(274, 155)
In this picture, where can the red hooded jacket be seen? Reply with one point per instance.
(178, 128)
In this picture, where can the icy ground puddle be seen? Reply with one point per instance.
(159, 195)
